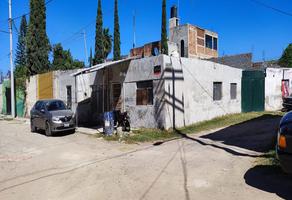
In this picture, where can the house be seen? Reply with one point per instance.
(278, 84)
(51, 85)
(241, 61)
(186, 40)
(159, 91)
(6, 97)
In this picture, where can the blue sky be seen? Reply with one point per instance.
(243, 26)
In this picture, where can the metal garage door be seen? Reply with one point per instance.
(253, 91)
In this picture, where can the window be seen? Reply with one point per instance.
(69, 96)
(209, 41)
(215, 43)
(217, 91)
(144, 93)
(182, 48)
(233, 90)
(157, 70)
(56, 105)
(38, 105)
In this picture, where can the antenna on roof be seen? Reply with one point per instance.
(178, 9)
(134, 29)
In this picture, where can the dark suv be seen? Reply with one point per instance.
(51, 116)
(284, 143)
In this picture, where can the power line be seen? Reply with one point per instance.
(1, 31)
(272, 8)
(15, 18)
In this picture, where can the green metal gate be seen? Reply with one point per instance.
(253, 91)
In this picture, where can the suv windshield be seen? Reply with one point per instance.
(56, 105)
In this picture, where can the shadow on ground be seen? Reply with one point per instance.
(270, 178)
(60, 134)
(258, 134)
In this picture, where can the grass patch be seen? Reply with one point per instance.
(227, 120)
(269, 159)
(151, 135)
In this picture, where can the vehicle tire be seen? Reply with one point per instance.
(33, 129)
(48, 129)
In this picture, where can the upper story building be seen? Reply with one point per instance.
(192, 41)
(186, 40)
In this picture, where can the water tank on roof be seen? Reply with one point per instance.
(173, 12)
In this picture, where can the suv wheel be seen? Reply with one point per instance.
(48, 129)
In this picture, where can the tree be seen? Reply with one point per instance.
(21, 72)
(90, 59)
(37, 41)
(164, 45)
(63, 60)
(117, 40)
(99, 45)
(107, 41)
(20, 58)
(286, 59)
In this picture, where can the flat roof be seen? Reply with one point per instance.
(101, 66)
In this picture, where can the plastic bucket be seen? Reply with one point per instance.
(108, 127)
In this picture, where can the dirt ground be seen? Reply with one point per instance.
(216, 165)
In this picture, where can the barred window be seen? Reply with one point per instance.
(233, 90)
(144, 93)
(217, 91)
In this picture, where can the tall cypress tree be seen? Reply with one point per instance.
(99, 46)
(21, 71)
(164, 45)
(90, 59)
(38, 46)
(117, 40)
(20, 58)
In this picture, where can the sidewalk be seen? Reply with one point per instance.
(89, 131)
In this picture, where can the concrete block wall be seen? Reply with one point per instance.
(147, 116)
(31, 93)
(273, 87)
(194, 91)
(61, 80)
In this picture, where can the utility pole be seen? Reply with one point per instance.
(85, 47)
(11, 62)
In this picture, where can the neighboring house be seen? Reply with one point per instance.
(51, 85)
(159, 91)
(6, 97)
(6, 100)
(277, 80)
(241, 61)
(186, 40)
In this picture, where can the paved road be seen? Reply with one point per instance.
(33, 166)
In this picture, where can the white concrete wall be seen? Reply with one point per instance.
(31, 91)
(273, 87)
(194, 91)
(61, 80)
(1, 99)
(147, 116)
(83, 85)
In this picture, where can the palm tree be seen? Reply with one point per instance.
(107, 41)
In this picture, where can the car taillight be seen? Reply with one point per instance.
(282, 142)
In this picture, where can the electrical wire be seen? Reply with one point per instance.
(272, 8)
(18, 17)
